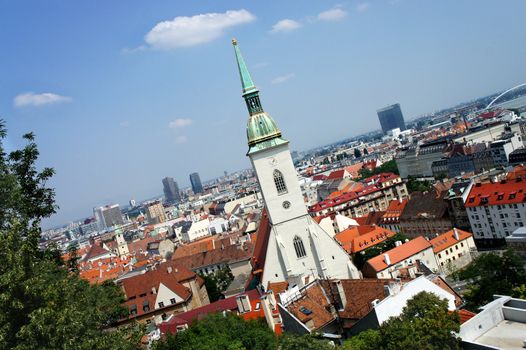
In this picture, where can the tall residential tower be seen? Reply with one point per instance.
(297, 246)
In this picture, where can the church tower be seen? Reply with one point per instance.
(297, 246)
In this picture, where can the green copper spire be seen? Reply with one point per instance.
(262, 130)
(246, 80)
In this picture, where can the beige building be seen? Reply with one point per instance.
(402, 260)
(453, 250)
(155, 213)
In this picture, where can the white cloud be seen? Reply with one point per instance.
(362, 7)
(179, 123)
(285, 25)
(282, 78)
(181, 139)
(189, 31)
(332, 15)
(32, 99)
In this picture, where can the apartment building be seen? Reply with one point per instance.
(496, 209)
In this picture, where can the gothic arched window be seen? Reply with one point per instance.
(279, 182)
(299, 247)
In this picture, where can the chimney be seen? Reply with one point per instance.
(341, 294)
(455, 234)
(213, 244)
(387, 259)
(398, 243)
(169, 269)
(374, 302)
(154, 291)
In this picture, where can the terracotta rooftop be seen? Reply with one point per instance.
(368, 236)
(394, 211)
(399, 253)
(312, 306)
(141, 289)
(219, 255)
(424, 205)
(448, 239)
(503, 192)
(95, 251)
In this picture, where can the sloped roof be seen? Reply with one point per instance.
(219, 255)
(394, 211)
(140, 289)
(424, 205)
(228, 304)
(399, 253)
(360, 293)
(313, 299)
(95, 251)
(448, 239)
(260, 249)
(503, 192)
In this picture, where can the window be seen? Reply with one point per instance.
(172, 300)
(299, 247)
(279, 182)
(161, 304)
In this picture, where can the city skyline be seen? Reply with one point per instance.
(119, 92)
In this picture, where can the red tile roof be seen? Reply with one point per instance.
(465, 315)
(504, 192)
(368, 237)
(372, 184)
(448, 239)
(336, 175)
(142, 289)
(313, 299)
(95, 251)
(228, 304)
(260, 249)
(394, 211)
(399, 253)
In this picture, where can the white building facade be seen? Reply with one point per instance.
(297, 245)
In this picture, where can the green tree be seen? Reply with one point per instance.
(43, 306)
(305, 342)
(365, 151)
(357, 153)
(424, 323)
(216, 331)
(485, 270)
(217, 283)
(370, 339)
(414, 185)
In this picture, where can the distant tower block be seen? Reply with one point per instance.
(296, 247)
(391, 117)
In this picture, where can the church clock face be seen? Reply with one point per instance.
(272, 161)
(286, 204)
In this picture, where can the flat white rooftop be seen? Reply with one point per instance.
(506, 335)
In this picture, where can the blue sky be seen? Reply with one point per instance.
(119, 100)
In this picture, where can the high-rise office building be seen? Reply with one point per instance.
(197, 187)
(108, 215)
(391, 117)
(171, 190)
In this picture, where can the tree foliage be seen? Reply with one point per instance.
(387, 167)
(361, 258)
(485, 270)
(357, 153)
(216, 331)
(414, 185)
(231, 332)
(43, 306)
(217, 283)
(424, 323)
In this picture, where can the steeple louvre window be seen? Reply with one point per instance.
(299, 247)
(279, 181)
